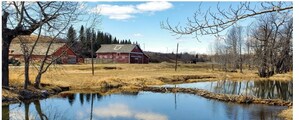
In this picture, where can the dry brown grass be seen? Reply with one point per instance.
(287, 114)
(80, 77)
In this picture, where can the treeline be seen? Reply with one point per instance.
(265, 46)
(81, 44)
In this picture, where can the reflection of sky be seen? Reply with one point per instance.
(119, 110)
(149, 106)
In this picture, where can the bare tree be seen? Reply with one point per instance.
(22, 18)
(46, 62)
(221, 53)
(231, 42)
(27, 53)
(240, 44)
(270, 45)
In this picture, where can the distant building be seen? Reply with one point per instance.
(122, 53)
(59, 51)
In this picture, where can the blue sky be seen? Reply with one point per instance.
(140, 21)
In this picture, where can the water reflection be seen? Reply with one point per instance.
(136, 106)
(261, 89)
(28, 111)
(119, 110)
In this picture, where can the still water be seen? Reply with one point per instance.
(261, 89)
(136, 106)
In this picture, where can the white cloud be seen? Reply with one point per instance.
(124, 12)
(154, 6)
(115, 11)
(137, 35)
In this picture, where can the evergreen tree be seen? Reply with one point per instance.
(78, 48)
(98, 40)
(115, 41)
(71, 36)
(82, 34)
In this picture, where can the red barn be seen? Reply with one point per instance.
(61, 51)
(122, 53)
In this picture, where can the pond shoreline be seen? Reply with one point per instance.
(51, 90)
(31, 94)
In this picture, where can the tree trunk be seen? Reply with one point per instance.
(241, 64)
(26, 74)
(6, 40)
(37, 80)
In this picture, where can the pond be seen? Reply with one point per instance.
(262, 89)
(139, 106)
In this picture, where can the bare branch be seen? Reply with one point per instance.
(214, 23)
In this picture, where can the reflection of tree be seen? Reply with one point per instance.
(5, 112)
(262, 89)
(26, 104)
(99, 96)
(274, 89)
(39, 110)
(81, 98)
(87, 97)
(231, 111)
(71, 98)
(91, 105)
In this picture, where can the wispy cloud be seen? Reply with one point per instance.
(124, 12)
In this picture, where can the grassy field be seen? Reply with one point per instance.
(79, 76)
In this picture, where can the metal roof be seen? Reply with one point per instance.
(116, 48)
(40, 48)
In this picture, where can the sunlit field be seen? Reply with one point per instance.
(80, 75)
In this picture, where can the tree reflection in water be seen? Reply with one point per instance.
(38, 113)
(5, 112)
(262, 89)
